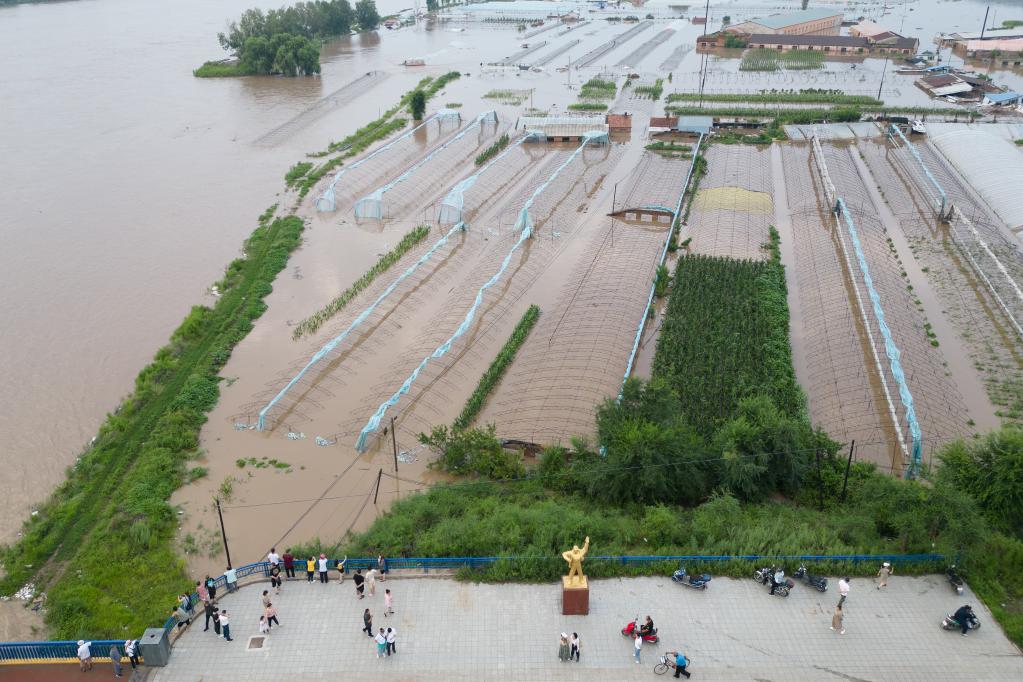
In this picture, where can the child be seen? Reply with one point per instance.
(310, 568)
(264, 627)
(883, 574)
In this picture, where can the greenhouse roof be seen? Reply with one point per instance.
(992, 165)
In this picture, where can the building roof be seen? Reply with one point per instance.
(1010, 45)
(698, 122)
(780, 21)
(988, 35)
(953, 89)
(900, 43)
(1002, 97)
(870, 29)
(939, 81)
(782, 39)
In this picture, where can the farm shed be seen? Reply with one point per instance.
(1002, 99)
(563, 128)
(694, 125)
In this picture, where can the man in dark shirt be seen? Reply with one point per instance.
(359, 579)
(289, 564)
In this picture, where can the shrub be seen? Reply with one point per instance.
(475, 452)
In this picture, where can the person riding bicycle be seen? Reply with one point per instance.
(964, 615)
(647, 628)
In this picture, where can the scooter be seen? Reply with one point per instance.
(697, 582)
(630, 629)
(815, 581)
(954, 580)
(950, 623)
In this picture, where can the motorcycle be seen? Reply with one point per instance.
(630, 629)
(697, 582)
(954, 580)
(765, 576)
(815, 581)
(950, 623)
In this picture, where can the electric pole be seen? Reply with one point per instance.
(223, 533)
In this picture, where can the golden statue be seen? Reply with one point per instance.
(574, 557)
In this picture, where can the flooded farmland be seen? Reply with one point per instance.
(167, 176)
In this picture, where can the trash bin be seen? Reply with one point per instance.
(154, 646)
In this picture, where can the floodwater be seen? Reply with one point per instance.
(127, 185)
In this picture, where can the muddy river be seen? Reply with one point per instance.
(127, 185)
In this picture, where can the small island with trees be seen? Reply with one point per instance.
(287, 41)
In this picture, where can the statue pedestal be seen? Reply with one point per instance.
(575, 597)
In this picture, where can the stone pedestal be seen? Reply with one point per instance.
(575, 597)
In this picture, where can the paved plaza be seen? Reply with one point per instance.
(449, 630)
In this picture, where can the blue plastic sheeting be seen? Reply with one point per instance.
(891, 350)
(664, 254)
(327, 201)
(525, 224)
(333, 343)
(450, 210)
(371, 205)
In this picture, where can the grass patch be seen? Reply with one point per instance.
(587, 106)
(810, 96)
(763, 59)
(315, 321)
(111, 520)
(677, 151)
(222, 70)
(497, 368)
(296, 172)
(513, 97)
(492, 150)
(263, 463)
(654, 91)
(596, 88)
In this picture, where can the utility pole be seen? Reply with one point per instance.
(848, 464)
(394, 445)
(223, 533)
(614, 199)
(883, 70)
(377, 493)
(704, 61)
(984, 27)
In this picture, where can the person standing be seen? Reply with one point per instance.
(342, 566)
(883, 574)
(275, 579)
(225, 623)
(211, 587)
(382, 567)
(231, 578)
(271, 616)
(564, 653)
(216, 622)
(392, 636)
(388, 603)
(367, 623)
(84, 655)
(574, 643)
(359, 580)
(843, 589)
(680, 664)
(381, 639)
(310, 568)
(115, 659)
(777, 578)
(323, 569)
(200, 589)
(208, 609)
(266, 598)
(289, 564)
(638, 647)
(273, 557)
(131, 650)
(264, 627)
(371, 581)
(836, 621)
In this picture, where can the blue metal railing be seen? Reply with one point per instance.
(59, 650)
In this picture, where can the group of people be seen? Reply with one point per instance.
(568, 649)
(131, 650)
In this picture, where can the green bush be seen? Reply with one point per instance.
(991, 471)
(223, 70)
(492, 150)
(587, 106)
(475, 452)
(296, 172)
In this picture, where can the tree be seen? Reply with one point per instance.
(431, 5)
(417, 105)
(366, 15)
(473, 452)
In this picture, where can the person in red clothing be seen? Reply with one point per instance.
(289, 564)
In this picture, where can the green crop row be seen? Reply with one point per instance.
(297, 172)
(497, 368)
(801, 97)
(587, 106)
(653, 91)
(102, 547)
(316, 320)
(492, 150)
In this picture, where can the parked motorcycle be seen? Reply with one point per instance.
(950, 623)
(697, 582)
(815, 581)
(630, 629)
(954, 580)
(765, 576)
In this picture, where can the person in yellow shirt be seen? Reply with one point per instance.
(310, 568)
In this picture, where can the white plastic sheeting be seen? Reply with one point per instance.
(992, 165)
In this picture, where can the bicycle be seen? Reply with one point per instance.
(665, 663)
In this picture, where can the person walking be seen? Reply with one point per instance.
(388, 603)
(837, 621)
(883, 574)
(574, 643)
(342, 566)
(271, 616)
(131, 650)
(359, 579)
(264, 627)
(638, 647)
(323, 569)
(392, 636)
(225, 623)
(289, 564)
(680, 665)
(208, 609)
(275, 579)
(211, 587)
(381, 639)
(371, 581)
(273, 557)
(200, 589)
(367, 623)
(563, 648)
(231, 578)
(266, 598)
(84, 655)
(310, 568)
(843, 590)
(115, 659)
(382, 567)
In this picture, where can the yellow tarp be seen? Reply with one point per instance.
(733, 199)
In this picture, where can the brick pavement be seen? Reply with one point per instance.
(733, 631)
